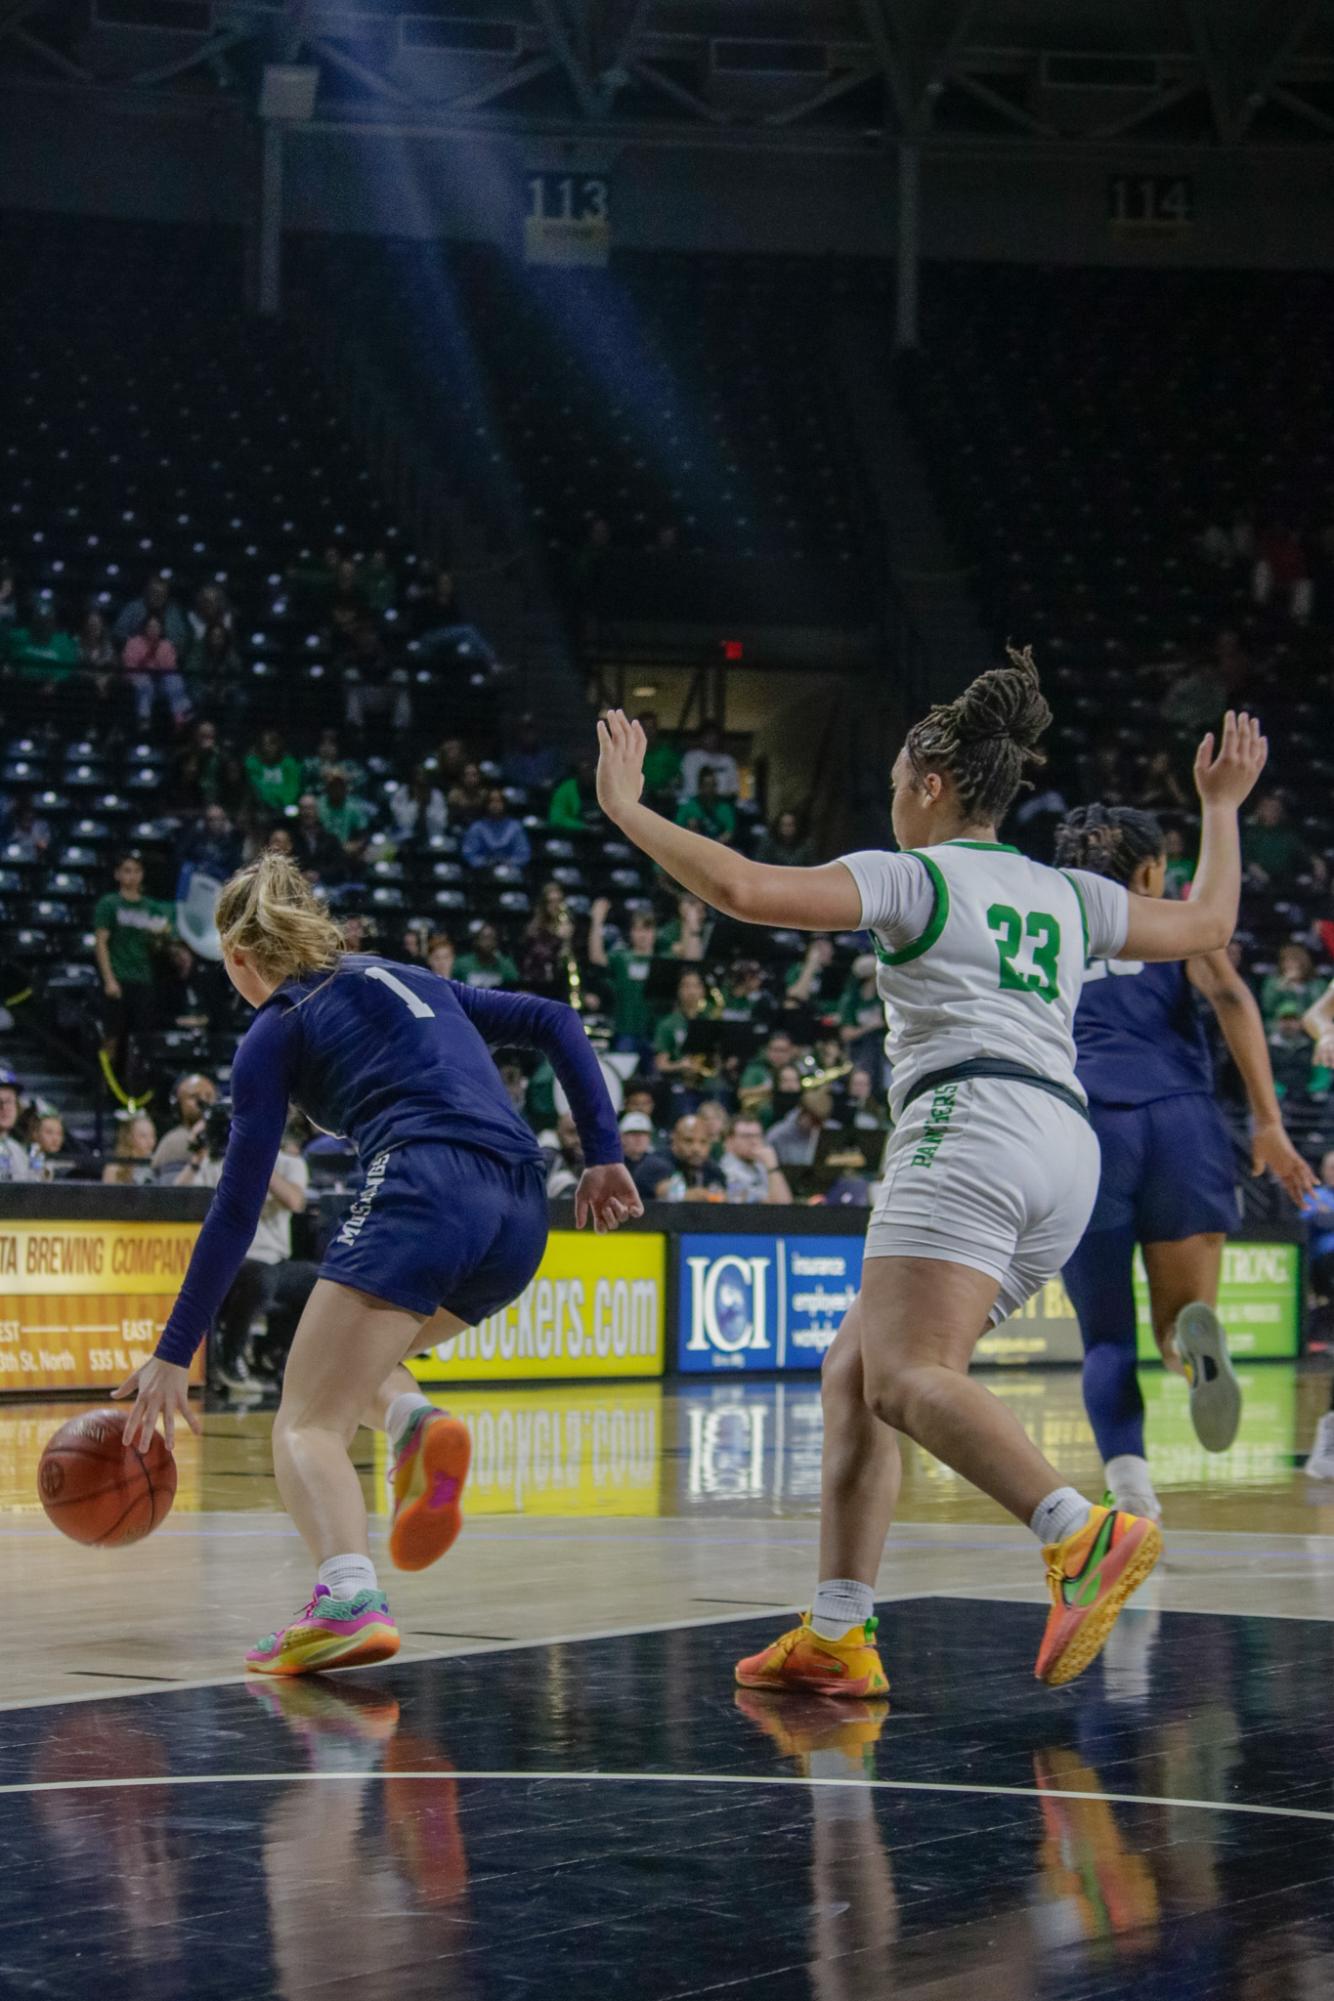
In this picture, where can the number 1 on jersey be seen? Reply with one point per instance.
(414, 1002)
(1009, 930)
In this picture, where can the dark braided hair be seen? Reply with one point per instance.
(1108, 840)
(986, 739)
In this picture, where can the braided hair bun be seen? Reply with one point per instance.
(987, 738)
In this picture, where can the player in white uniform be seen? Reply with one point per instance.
(992, 1168)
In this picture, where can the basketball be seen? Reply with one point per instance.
(97, 1491)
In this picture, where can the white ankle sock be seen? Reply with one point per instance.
(1127, 1473)
(840, 1602)
(400, 1411)
(1060, 1515)
(346, 1575)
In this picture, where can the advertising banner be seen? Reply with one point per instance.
(598, 1307)
(755, 1303)
(81, 1304)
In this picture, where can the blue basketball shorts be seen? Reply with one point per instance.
(1168, 1169)
(443, 1226)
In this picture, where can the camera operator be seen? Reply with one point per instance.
(271, 1280)
(194, 1093)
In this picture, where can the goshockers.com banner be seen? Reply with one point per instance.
(775, 1303)
(598, 1307)
(81, 1304)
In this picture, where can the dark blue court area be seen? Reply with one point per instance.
(611, 1818)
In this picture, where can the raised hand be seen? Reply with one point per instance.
(621, 747)
(1228, 776)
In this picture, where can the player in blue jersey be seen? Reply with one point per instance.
(449, 1227)
(1168, 1178)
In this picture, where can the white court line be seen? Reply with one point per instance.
(781, 1780)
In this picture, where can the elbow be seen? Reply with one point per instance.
(737, 890)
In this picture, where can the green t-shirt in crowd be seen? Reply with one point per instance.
(1275, 992)
(49, 659)
(274, 785)
(344, 822)
(1279, 851)
(499, 972)
(1180, 876)
(569, 808)
(662, 766)
(632, 1010)
(130, 924)
(670, 1035)
(712, 817)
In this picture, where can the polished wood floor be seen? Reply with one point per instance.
(608, 1508)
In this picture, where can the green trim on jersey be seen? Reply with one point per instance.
(940, 911)
(1083, 912)
(992, 847)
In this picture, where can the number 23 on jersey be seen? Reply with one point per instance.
(1036, 936)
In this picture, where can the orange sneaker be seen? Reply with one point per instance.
(804, 1659)
(426, 1484)
(1090, 1575)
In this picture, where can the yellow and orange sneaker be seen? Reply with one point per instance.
(426, 1484)
(804, 1659)
(1090, 1575)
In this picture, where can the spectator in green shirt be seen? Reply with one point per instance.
(662, 763)
(687, 935)
(1272, 850)
(41, 650)
(634, 1018)
(669, 1058)
(759, 1079)
(1180, 865)
(273, 775)
(341, 815)
(126, 924)
(486, 965)
(574, 804)
(706, 813)
(1292, 980)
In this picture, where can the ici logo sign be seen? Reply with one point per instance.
(729, 1303)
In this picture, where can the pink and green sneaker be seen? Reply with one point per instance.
(331, 1632)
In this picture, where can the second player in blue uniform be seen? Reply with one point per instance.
(1169, 1180)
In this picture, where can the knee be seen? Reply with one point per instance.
(899, 1393)
(841, 1379)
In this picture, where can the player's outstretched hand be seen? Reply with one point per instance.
(1271, 1148)
(162, 1390)
(621, 747)
(608, 1196)
(1229, 775)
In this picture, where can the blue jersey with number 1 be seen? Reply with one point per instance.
(391, 1056)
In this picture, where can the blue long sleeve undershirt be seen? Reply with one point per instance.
(263, 1080)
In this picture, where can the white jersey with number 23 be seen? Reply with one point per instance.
(981, 953)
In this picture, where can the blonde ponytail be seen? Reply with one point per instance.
(269, 911)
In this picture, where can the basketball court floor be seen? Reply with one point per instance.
(556, 1789)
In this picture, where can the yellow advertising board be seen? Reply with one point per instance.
(81, 1304)
(565, 1451)
(598, 1307)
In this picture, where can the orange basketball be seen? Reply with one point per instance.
(96, 1490)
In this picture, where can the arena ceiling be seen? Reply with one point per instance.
(823, 74)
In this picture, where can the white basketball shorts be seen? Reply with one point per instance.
(992, 1174)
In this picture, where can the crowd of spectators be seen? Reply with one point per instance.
(175, 654)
